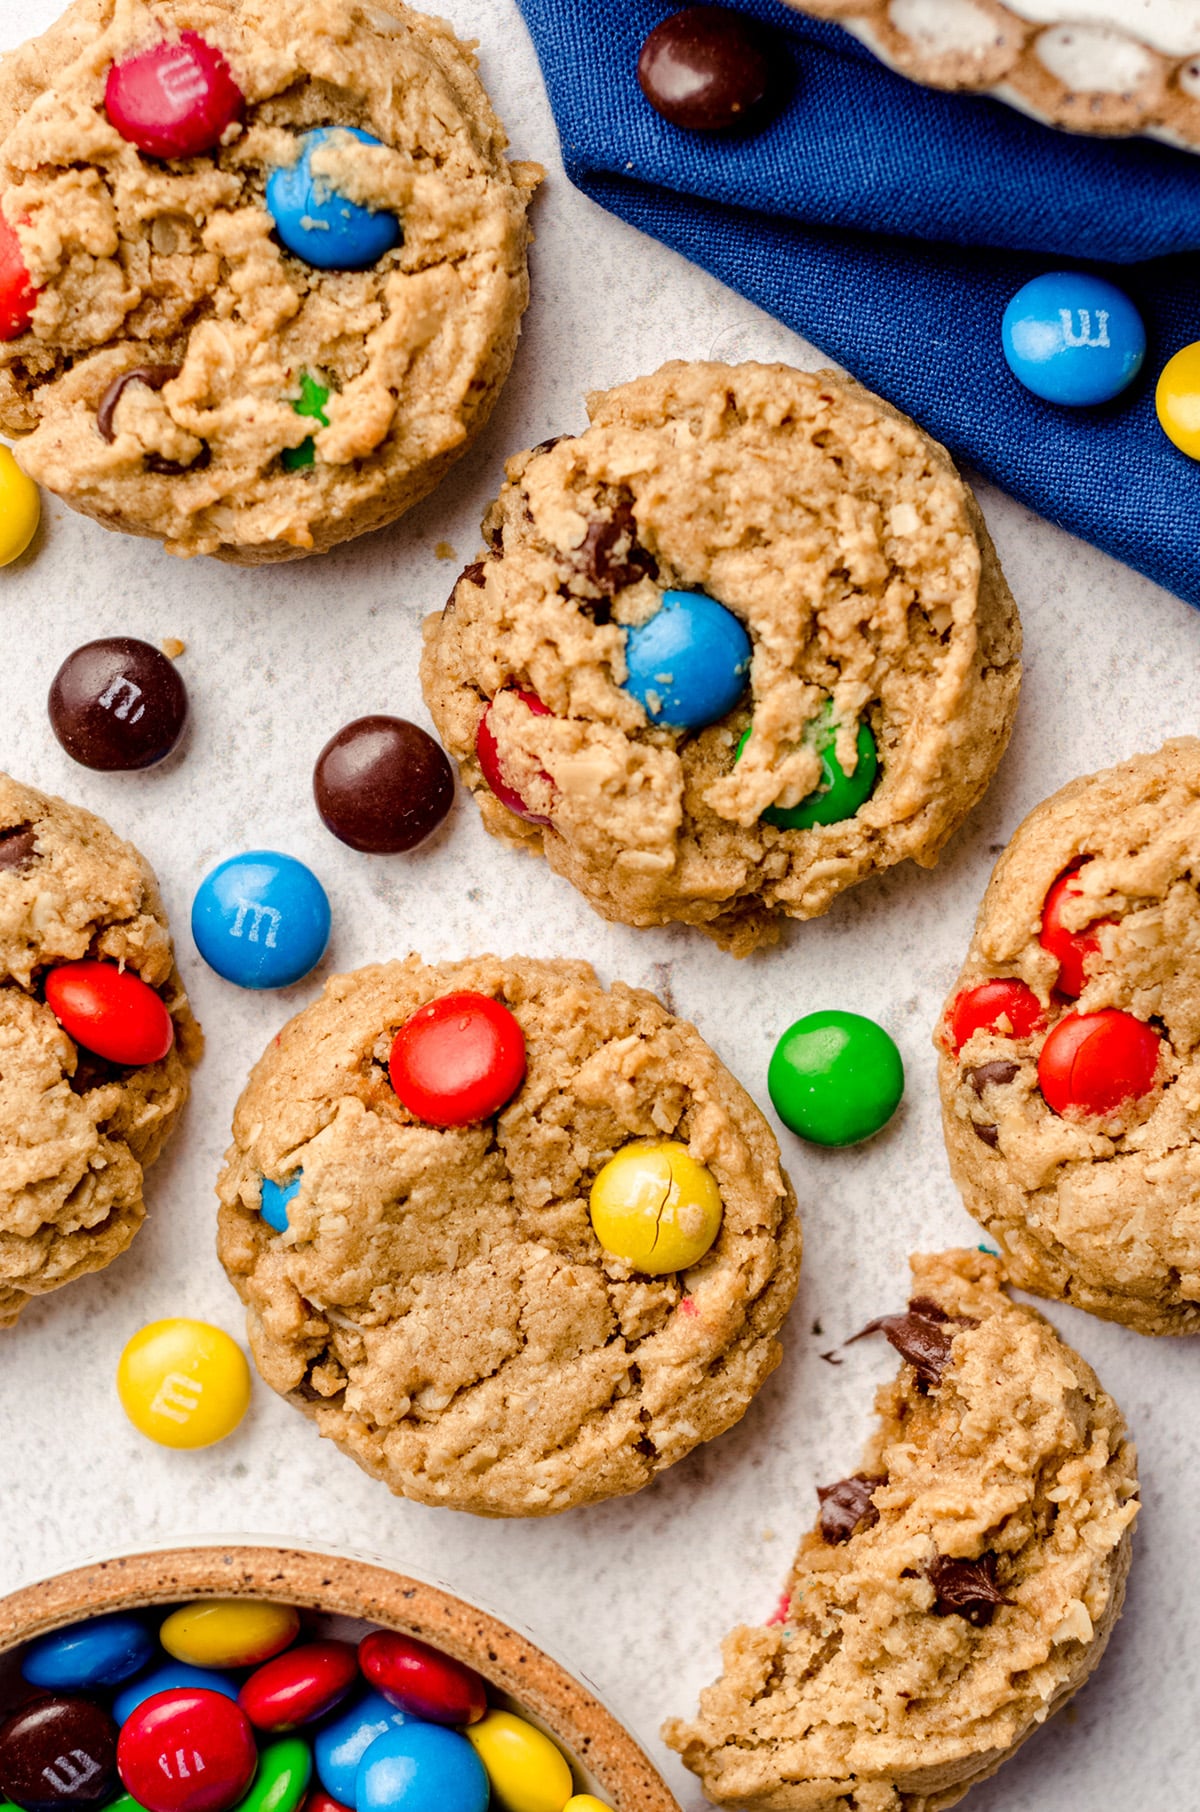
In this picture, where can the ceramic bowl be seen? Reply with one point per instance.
(345, 1590)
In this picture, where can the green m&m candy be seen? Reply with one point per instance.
(838, 795)
(311, 402)
(835, 1078)
(284, 1771)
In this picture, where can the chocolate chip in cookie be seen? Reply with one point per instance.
(18, 847)
(920, 1337)
(846, 1507)
(996, 1074)
(966, 1588)
(610, 557)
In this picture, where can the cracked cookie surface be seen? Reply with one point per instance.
(76, 1133)
(954, 1593)
(842, 538)
(439, 1304)
(1101, 1211)
(144, 264)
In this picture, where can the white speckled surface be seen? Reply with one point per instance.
(635, 1594)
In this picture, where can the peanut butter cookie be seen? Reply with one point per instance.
(738, 645)
(434, 1295)
(77, 1131)
(275, 260)
(1070, 1047)
(956, 1590)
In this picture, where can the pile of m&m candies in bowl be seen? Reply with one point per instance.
(233, 1705)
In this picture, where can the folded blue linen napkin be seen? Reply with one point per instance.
(890, 225)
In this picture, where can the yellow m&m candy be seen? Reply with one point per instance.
(183, 1383)
(586, 1802)
(526, 1771)
(655, 1207)
(1177, 400)
(20, 509)
(229, 1632)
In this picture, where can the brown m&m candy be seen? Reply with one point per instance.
(706, 68)
(382, 785)
(58, 1751)
(117, 704)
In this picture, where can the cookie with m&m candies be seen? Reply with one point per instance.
(736, 646)
(569, 1222)
(98, 1042)
(988, 1527)
(1070, 1047)
(172, 372)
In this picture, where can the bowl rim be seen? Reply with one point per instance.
(354, 1585)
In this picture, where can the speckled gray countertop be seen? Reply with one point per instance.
(636, 1594)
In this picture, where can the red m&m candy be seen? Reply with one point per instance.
(18, 298)
(421, 1681)
(1092, 1063)
(174, 99)
(987, 1007)
(487, 752)
(1072, 948)
(188, 1750)
(300, 1685)
(110, 1011)
(458, 1060)
(320, 1801)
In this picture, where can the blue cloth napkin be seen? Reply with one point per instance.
(890, 225)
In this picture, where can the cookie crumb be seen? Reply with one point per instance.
(173, 647)
(445, 550)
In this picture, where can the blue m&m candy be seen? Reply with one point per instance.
(341, 1744)
(101, 1652)
(689, 664)
(275, 1199)
(324, 228)
(421, 1768)
(1073, 338)
(261, 920)
(168, 1678)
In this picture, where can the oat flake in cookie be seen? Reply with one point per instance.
(955, 1591)
(1070, 1047)
(270, 408)
(76, 1131)
(728, 548)
(435, 1299)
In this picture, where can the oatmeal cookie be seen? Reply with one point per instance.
(272, 408)
(437, 1300)
(1070, 1047)
(726, 546)
(76, 1132)
(956, 1590)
